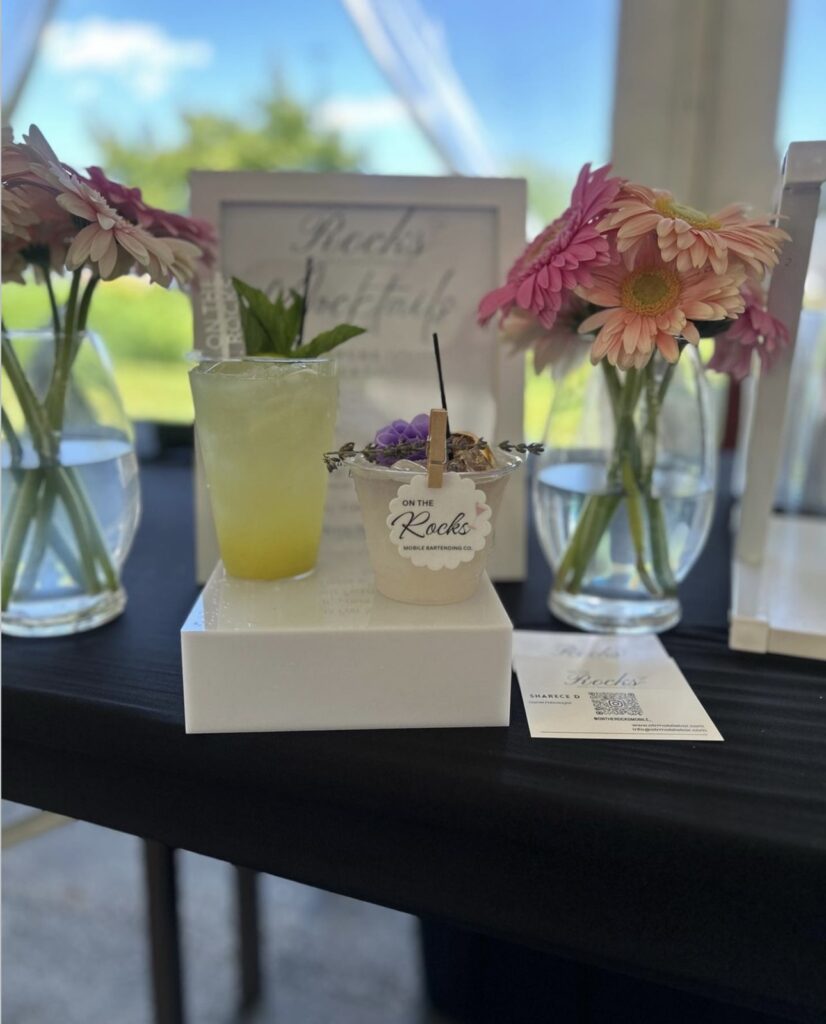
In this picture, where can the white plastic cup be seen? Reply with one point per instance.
(396, 576)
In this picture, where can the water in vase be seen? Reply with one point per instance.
(686, 499)
(52, 579)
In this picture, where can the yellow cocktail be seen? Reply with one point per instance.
(263, 425)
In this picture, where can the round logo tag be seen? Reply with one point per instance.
(439, 527)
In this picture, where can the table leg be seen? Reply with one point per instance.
(164, 938)
(249, 937)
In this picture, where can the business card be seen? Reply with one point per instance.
(624, 697)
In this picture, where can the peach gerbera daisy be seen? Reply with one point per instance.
(652, 304)
(691, 238)
(17, 213)
(109, 241)
(559, 257)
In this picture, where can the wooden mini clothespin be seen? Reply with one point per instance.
(436, 450)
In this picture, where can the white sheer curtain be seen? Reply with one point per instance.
(23, 24)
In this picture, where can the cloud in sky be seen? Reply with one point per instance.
(351, 113)
(140, 53)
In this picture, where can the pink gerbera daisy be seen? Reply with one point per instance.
(561, 256)
(691, 238)
(43, 239)
(651, 305)
(129, 203)
(756, 330)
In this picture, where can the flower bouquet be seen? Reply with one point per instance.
(70, 488)
(643, 278)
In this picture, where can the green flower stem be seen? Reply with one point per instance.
(572, 555)
(31, 505)
(605, 505)
(42, 529)
(631, 473)
(631, 470)
(614, 385)
(86, 302)
(627, 439)
(70, 483)
(44, 423)
(73, 495)
(61, 482)
(20, 518)
(636, 523)
(63, 549)
(626, 463)
(656, 520)
(15, 447)
(86, 530)
(44, 438)
(52, 300)
(665, 382)
(45, 443)
(659, 545)
(64, 345)
(648, 444)
(598, 510)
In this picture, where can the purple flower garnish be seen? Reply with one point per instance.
(400, 432)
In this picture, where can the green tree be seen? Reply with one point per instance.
(548, 191)
(282, 135)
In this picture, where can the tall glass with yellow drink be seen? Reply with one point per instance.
(262, 426)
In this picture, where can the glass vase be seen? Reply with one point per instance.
(71, 498)
(624, 494)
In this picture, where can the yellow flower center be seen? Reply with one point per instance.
(696, 218)
(650, 292)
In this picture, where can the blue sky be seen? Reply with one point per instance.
(522, 70)
(802, 113)
(538, 75)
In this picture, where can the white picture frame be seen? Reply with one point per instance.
(434, 245)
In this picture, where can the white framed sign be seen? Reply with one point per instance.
(403, 257)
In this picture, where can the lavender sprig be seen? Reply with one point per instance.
(522, 447)
(371, 452)
(335, 460)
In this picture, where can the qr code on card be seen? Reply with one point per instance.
(615, 704)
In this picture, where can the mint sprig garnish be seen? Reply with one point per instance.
(275, 327)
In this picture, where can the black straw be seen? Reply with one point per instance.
(308, 273)
(441, 377)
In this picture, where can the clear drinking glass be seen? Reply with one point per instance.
(262, 427)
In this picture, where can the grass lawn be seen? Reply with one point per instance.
(154, 390)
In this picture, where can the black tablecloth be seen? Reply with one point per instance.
(703, 865)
